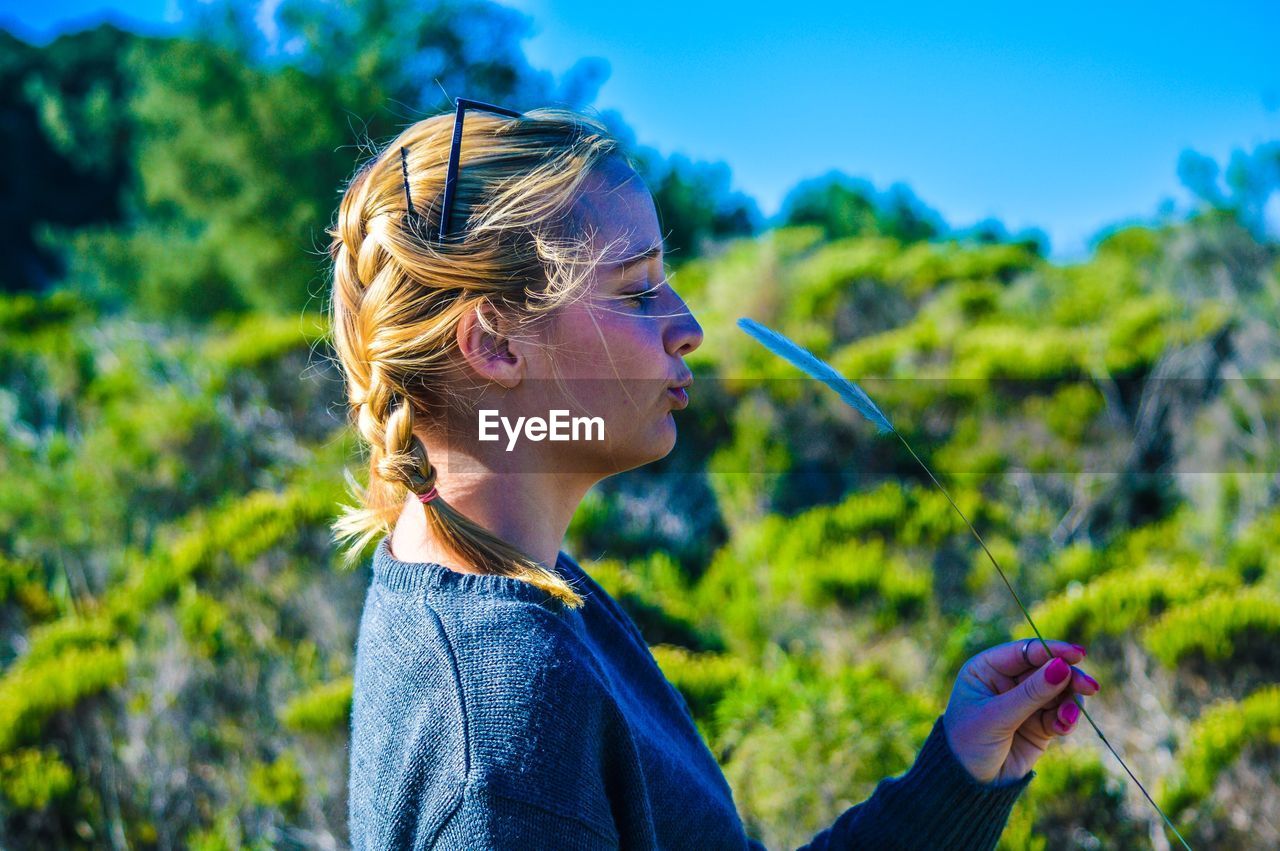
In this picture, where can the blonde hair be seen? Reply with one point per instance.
(398, 296)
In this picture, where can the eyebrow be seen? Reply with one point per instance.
(647, 254)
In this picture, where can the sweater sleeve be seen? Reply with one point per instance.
(487, 819)
(936, 804)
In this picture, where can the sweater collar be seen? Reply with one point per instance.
(417, 576)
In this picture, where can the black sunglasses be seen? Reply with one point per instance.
(451, 174)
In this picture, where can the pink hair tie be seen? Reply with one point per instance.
(428, 496)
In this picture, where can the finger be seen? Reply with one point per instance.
(1042, 725)
(1056, 720)
(1066, 717)
(1032, 694)
(1081, 683)
(1008, 659)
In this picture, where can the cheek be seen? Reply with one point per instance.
(608, 344)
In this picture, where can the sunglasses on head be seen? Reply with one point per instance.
(451, 174)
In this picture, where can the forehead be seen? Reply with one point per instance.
(617, 209)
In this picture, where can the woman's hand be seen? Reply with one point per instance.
(1006, 707)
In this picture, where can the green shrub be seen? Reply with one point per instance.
(1008, 351)
(204, 621)
(277, 783)
(322, 709)
(1072, 802)
(1215, 741)
(30, 693)
(1116, 602)
(800, 741)
(1214, 626)
(855, 573)
(259, 338)
(32, 777)
(1137, 331)
(23, 582)
(74, 657)
(653, 591)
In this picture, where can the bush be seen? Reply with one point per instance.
(325, 708)
(32, 777)
(1216, 740)
(1116, 602)
(1215, 626)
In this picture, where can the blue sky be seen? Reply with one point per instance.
(1068, 120)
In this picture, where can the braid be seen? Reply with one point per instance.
(404, 455)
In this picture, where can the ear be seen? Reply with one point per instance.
(485, 347)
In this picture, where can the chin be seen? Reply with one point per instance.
(668, 441)
(638, 454)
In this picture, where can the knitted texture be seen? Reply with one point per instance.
(487, 715)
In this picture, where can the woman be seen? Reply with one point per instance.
(502, 698)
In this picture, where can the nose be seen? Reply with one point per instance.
(684, 334)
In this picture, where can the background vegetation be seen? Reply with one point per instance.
(177, 639)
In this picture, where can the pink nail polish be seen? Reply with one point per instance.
(1080, 650)
(1070, 713)
(1057, 671)
(1088, 679)
(1060, 727)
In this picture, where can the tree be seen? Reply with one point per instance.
(67, 143)
(1251, 179)
(846, 206)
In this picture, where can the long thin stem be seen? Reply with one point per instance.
(1026, 614)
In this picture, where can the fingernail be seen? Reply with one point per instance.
(1088, 679)
(1057, 671)
(1080, 650)
(1070, 713)
(1060, 727)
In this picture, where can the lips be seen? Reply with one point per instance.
(677, 391)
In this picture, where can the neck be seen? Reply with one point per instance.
(530, 511)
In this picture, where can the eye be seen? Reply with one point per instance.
(639, 297)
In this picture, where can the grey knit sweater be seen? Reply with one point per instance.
(487, 715)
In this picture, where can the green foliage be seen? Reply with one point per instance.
(30, 778)
(1069, 411)
(22, 582)
(1007, 351)
(658, 598)
(855, 573)
(204, 621)
(63, 122)
(1073, 801)
(845, 206)
(1255, 552)
(984, 572)
(322, 709)
(31, 693)
(65, 662)
(803, 742)
(278, 783)
(1117, 602)
(1216, 626)
(695, 204)
(259, 339)
(1215, 741)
